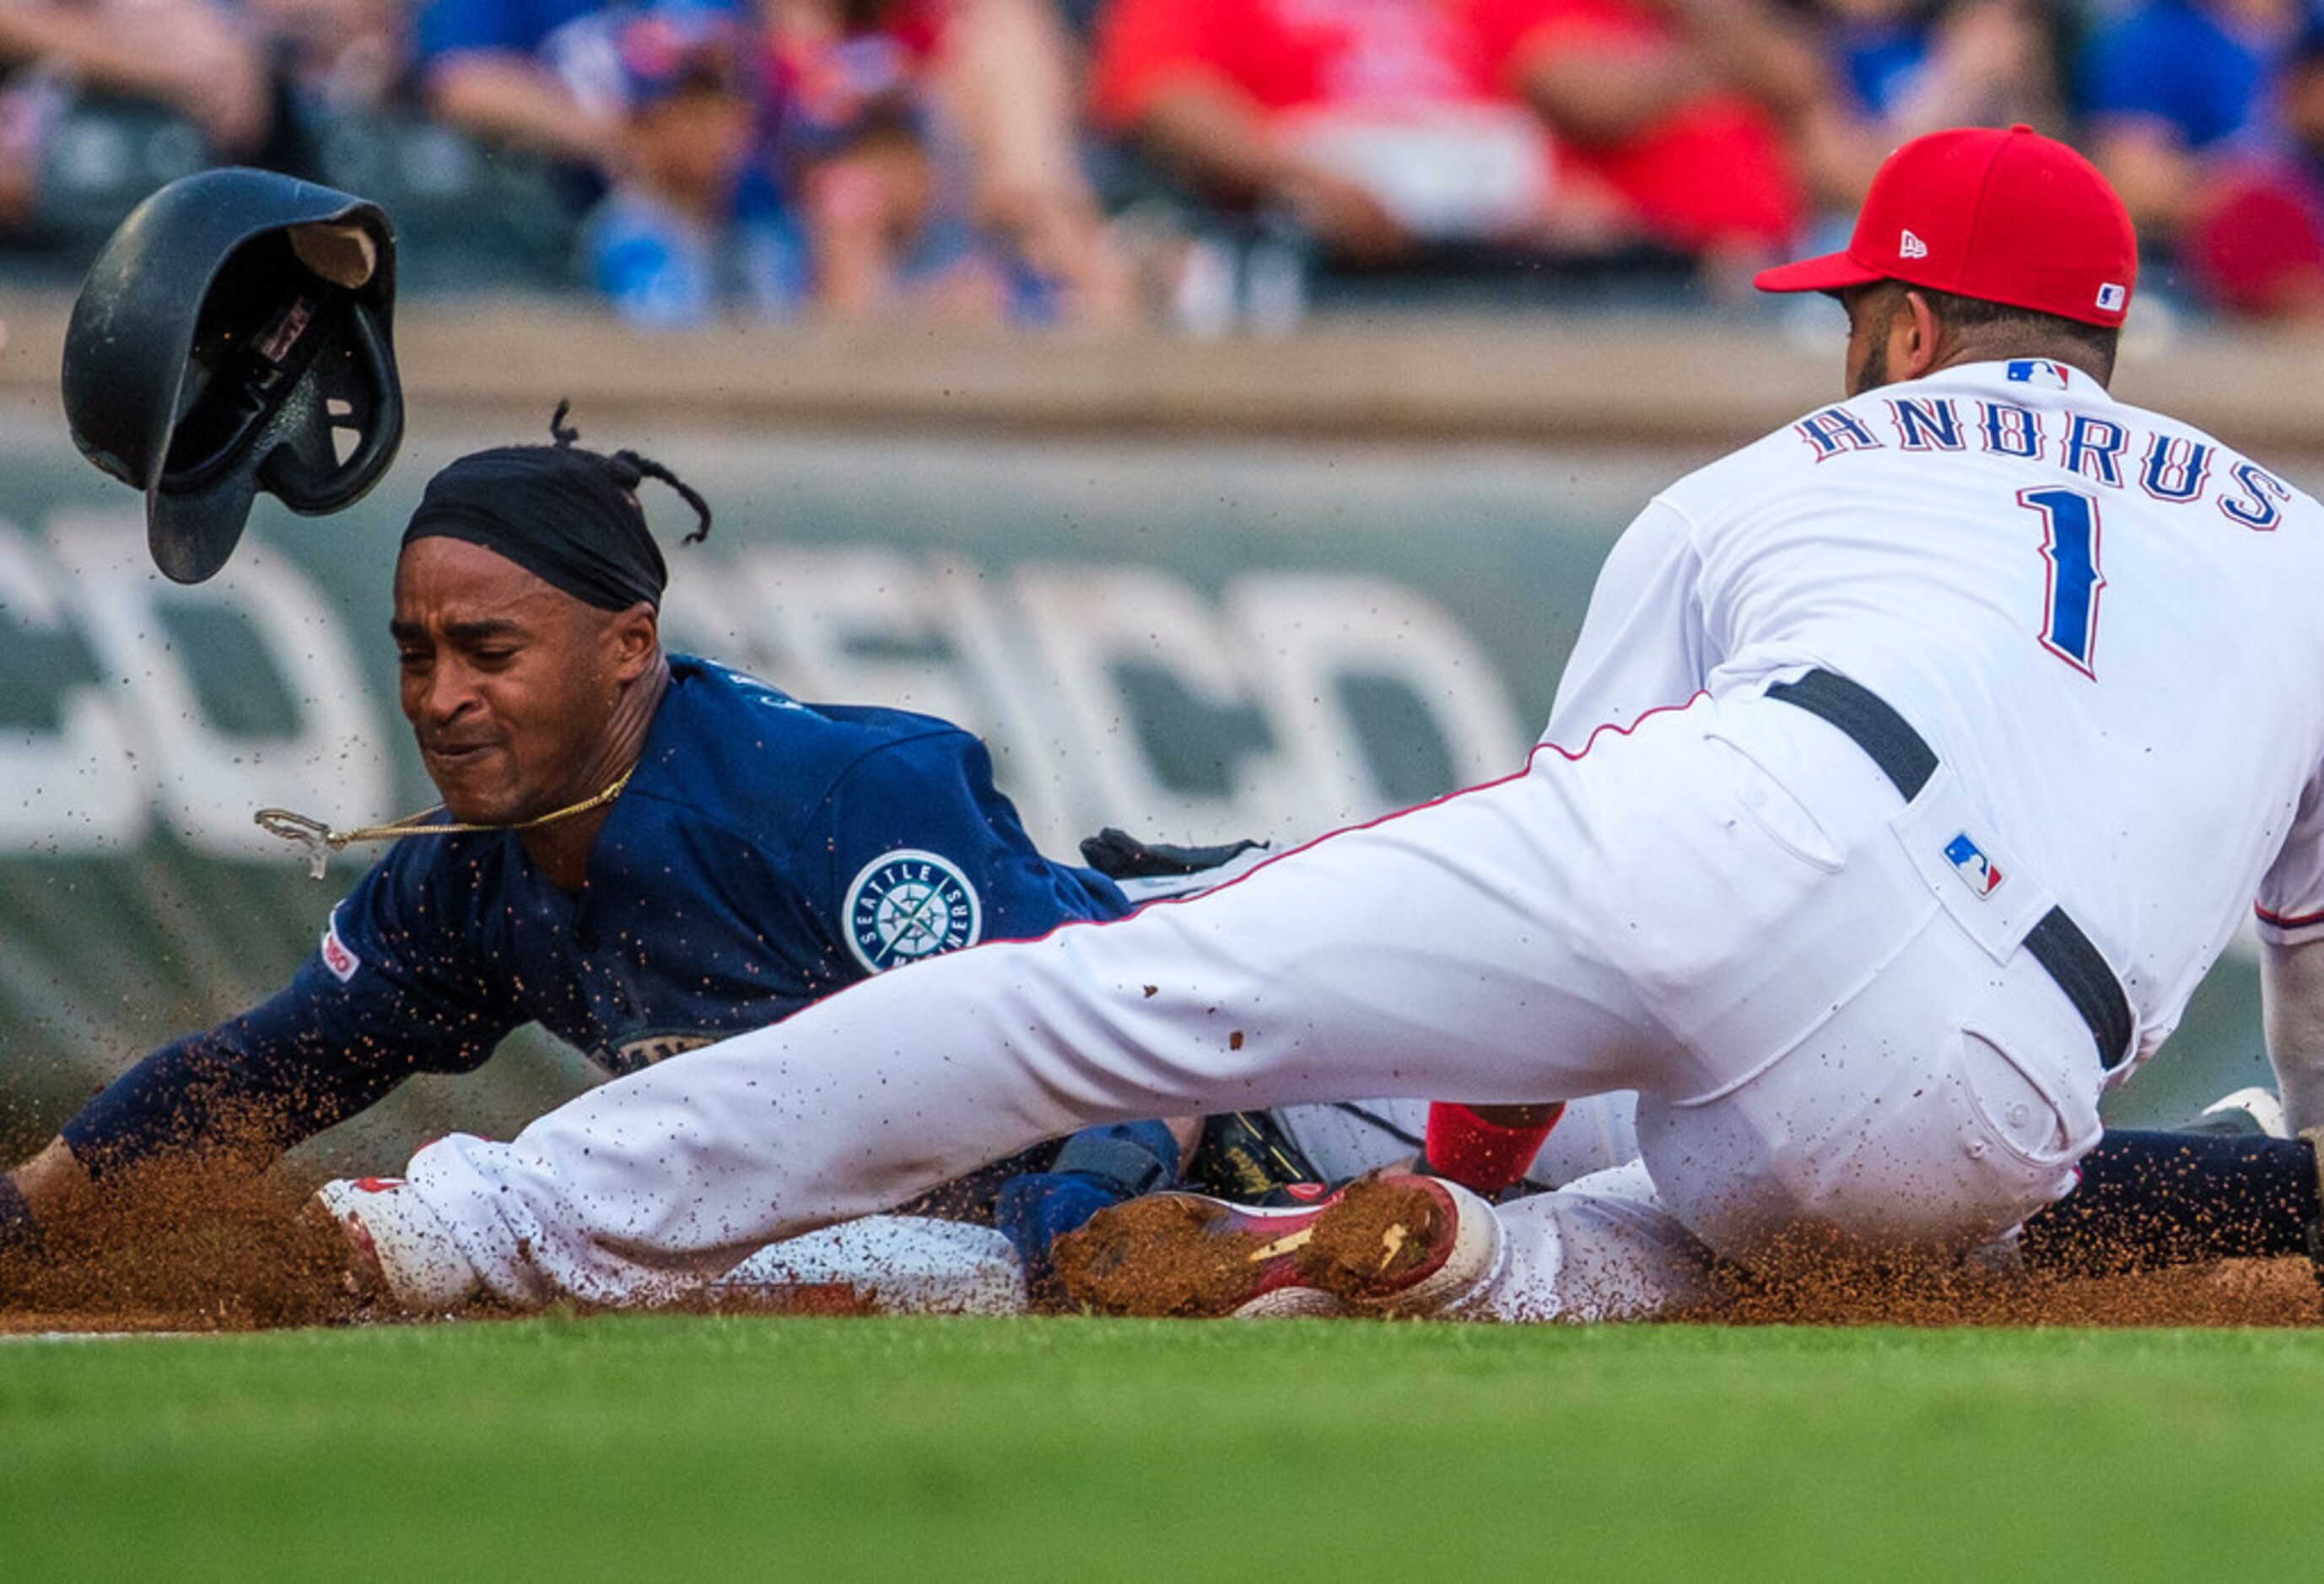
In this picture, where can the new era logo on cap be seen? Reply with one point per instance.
(2008, 216)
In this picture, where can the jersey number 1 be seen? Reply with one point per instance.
(2069, 523)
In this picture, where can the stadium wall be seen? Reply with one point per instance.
(1201, 591)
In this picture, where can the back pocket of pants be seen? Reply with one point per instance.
(1771, 806)
(2016, 1111)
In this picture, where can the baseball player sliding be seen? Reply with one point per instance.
(1837, 851)
(651, 851)
(640, 851)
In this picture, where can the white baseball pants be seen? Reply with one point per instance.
(1720, 909)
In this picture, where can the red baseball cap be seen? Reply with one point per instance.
(2006, 217)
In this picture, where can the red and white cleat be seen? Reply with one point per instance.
(396, 1245)
(1383, 1245)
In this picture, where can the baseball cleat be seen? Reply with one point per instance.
(396, 1246)
(1384, 1245)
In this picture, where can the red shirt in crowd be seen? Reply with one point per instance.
(1710, 170)
(1715, 168)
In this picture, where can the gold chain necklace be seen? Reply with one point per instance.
(319, 841)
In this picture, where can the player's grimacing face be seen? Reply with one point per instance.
(508, 682)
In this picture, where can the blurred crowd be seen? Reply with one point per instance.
(1098, 160)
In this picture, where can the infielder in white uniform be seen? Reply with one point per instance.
(1913, 765)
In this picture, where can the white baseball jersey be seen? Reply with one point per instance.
(2108, 626)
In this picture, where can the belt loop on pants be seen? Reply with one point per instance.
(2056, 942)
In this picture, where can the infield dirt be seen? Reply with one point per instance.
(220, 1252)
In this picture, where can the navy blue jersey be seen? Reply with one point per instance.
(764, 853)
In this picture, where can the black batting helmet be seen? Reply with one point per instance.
(236, 335)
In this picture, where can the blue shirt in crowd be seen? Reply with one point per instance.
(2180, 62)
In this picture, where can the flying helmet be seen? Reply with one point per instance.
(235, 336)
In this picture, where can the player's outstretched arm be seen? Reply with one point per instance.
(48, 1189)
(226, 1102)
(150, 1117)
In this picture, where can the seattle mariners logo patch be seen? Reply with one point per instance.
(907, 905)
(1977, 871)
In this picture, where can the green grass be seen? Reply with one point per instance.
(1065, 1449)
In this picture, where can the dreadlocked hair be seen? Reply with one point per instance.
(629, 469)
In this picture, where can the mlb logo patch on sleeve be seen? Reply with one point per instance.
(341, 962)
(1977, 871)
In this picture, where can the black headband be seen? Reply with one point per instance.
(569, 516)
